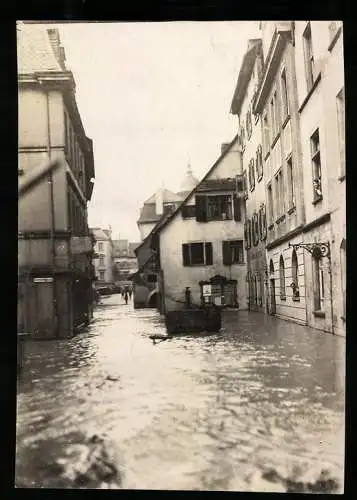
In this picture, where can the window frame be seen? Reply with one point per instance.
(291, 182)
(204, 245)
(318, 285)
(285, 108)
(282, 278)
(234, 258)
(316, 166)
(271, 208)
(308, 56)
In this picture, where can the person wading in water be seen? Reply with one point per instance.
(126, 296)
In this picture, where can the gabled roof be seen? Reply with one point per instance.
(100, 234)
(254, 48)
(171, 216)
(34, 50)
(167, 197)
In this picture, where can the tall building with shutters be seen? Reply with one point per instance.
(55, 292)
(275, 102)
(200, 245)
(251, 186)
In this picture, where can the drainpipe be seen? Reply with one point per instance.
(331, 298)
(52, 226)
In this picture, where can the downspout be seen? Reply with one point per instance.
(52, 225)
(331, 299)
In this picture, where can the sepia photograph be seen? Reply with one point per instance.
(181, 307)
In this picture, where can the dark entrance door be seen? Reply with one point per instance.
(272, 297)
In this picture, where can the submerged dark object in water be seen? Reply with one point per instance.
(193, 320)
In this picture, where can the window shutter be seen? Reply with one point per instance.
(184, 212)
(201, 213)
(226, 250)
(185, 254)
(246, 236)
(237, 208)
(209, 254)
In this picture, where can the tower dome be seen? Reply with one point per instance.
(189, 182)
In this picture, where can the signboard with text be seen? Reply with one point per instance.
(206, 290)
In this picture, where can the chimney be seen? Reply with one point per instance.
(58, 50)
(224, 147)
(159, 201)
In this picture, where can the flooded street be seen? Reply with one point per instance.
(258, 407)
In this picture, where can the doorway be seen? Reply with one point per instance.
(272, 297)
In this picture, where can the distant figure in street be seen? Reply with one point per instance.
(126, 297)
(130, 293)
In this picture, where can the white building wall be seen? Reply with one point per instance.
(179, 231)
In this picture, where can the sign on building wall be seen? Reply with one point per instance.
(206, 290)
(43, 280)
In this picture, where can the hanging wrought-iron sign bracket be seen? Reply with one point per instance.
(318, 250)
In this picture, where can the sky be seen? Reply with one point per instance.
(153, 97)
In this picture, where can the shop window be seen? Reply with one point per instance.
(282, 278)
(318, 283)
(295, 276)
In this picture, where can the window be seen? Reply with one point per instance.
(247, 234)
(274, 113)
(341, 130)
(245, 184)
(101, 275)
(316, 166)
(259, 163)
(197, 254)
(284, 95)
(188, 211)
(251, 175)
(262, 223)
(318, 283)
(249, 124)
(270, 204)
(100, 247)
(255, 229)
(294, 276)
(101, 260)
(266, 133)
(237, 207)
(219, 207)
(343, 275)
(282, 278)
(233, 252)
(309, 58)
(291, 190)
(280, 194)
(169, 208)
(152, 278)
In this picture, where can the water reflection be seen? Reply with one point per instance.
(213, 412)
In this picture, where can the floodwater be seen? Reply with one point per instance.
(257, 407)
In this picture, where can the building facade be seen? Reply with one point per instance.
(276, 102)
(200, 245)
(103, 257)
(124, 261)
(252, 184)
(321, 107)
(54, 244)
